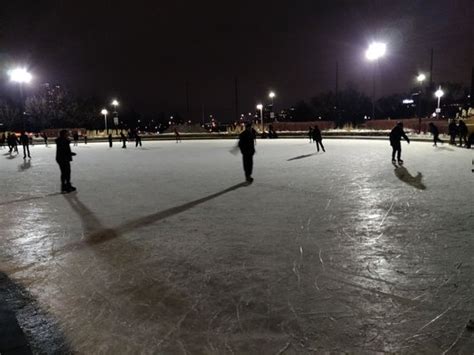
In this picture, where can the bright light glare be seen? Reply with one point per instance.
(259, 106)
(20, 75)
(439, 93)
(375, 50)
(115, 103)
(408, 101)
(271, 95)
(104, 111)
(421, 77)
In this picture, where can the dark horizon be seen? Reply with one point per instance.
(144, 54)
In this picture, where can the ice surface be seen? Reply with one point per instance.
(162, 249)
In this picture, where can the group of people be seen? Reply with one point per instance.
(314, 134)
(458, 130)
(13, 141)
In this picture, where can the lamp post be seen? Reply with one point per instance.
(260, 107)
(272, 95)
(20, 76)
(105, 112)
(439, 93)
(375, 51)
(420, 78)
(115, 104)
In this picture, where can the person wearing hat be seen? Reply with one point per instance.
(395, 141)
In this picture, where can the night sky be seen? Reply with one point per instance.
(143, 52)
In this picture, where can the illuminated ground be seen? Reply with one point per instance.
(162, 249)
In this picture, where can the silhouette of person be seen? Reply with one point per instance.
(123, 139)
(12, 142)
(177, 135)
(75, 136)
(453, 132)
(3, 139)
(110, 140)
(45, 138)
(462, 133)
(138, 139)
(64, 158)
(318, 138)
(247, 148)
(395, 141)
(310, 134)
(435, 132)
(25, 141)
(85, 139)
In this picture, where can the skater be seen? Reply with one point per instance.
(75, 136)
(123, 139)
(110, 140)
(85, 139)
(318, 138)
(177, 136)
(310, 134)
(2, 140)
(64, 158)
(247, 148)
(453, 132)
(395, 141)
(435, 132)
(25, 141)
(138, 139)
(12, 142)
(45, 138)
(462, 129)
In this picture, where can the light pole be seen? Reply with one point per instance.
(375, 51)
(439, 93)
(420, 78)
(115, 104)
(260, 107)
(20, 76)
(105, 112)
(272, 95)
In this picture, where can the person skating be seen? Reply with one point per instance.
(75, 136)
(3, 139)
(64, 158)
(110, 140)
(310, 134)
(45, 138)
(247, 148)
(138, 139)
(462, 133)
(123, 139)
(453, 132)
(395, 141)
(318, 138)
(435, 132)
(12, 142)
(85, 139)
(177, 135)
(25, 141)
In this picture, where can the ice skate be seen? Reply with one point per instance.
(400, 161)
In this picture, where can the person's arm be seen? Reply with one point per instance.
(405, 137)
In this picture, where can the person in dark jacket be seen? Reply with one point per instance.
(75, 136)
(12, 142)
(64, 158)
(138, 139)
(435, 132)
(453, 132)
(310, 134)
(110, 140)
(395, 141)
(123, 139)
(247, 148)
(45, 138)
(462, 133)
(25, 141)
(3, 139)
(318, 138)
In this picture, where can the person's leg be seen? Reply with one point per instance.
(393, 152)
(63, 176)
(317, 146)
(24, 151)
(67, 174)
(399, 153)
(28, 150)
(322, 146)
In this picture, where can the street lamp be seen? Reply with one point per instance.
(20, 76)
(420, 78)
(439, 93)
(272, 95)
(375, 51)
(105, 112)
(260, 107)
(115, 103)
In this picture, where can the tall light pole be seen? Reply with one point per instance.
(260, 107)
(20, 76)
(439, 93)
(105, 112)
(115, 104)
(375, 51)
(420, 78)
(272, 95)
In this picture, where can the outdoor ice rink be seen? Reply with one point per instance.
(164, 250)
